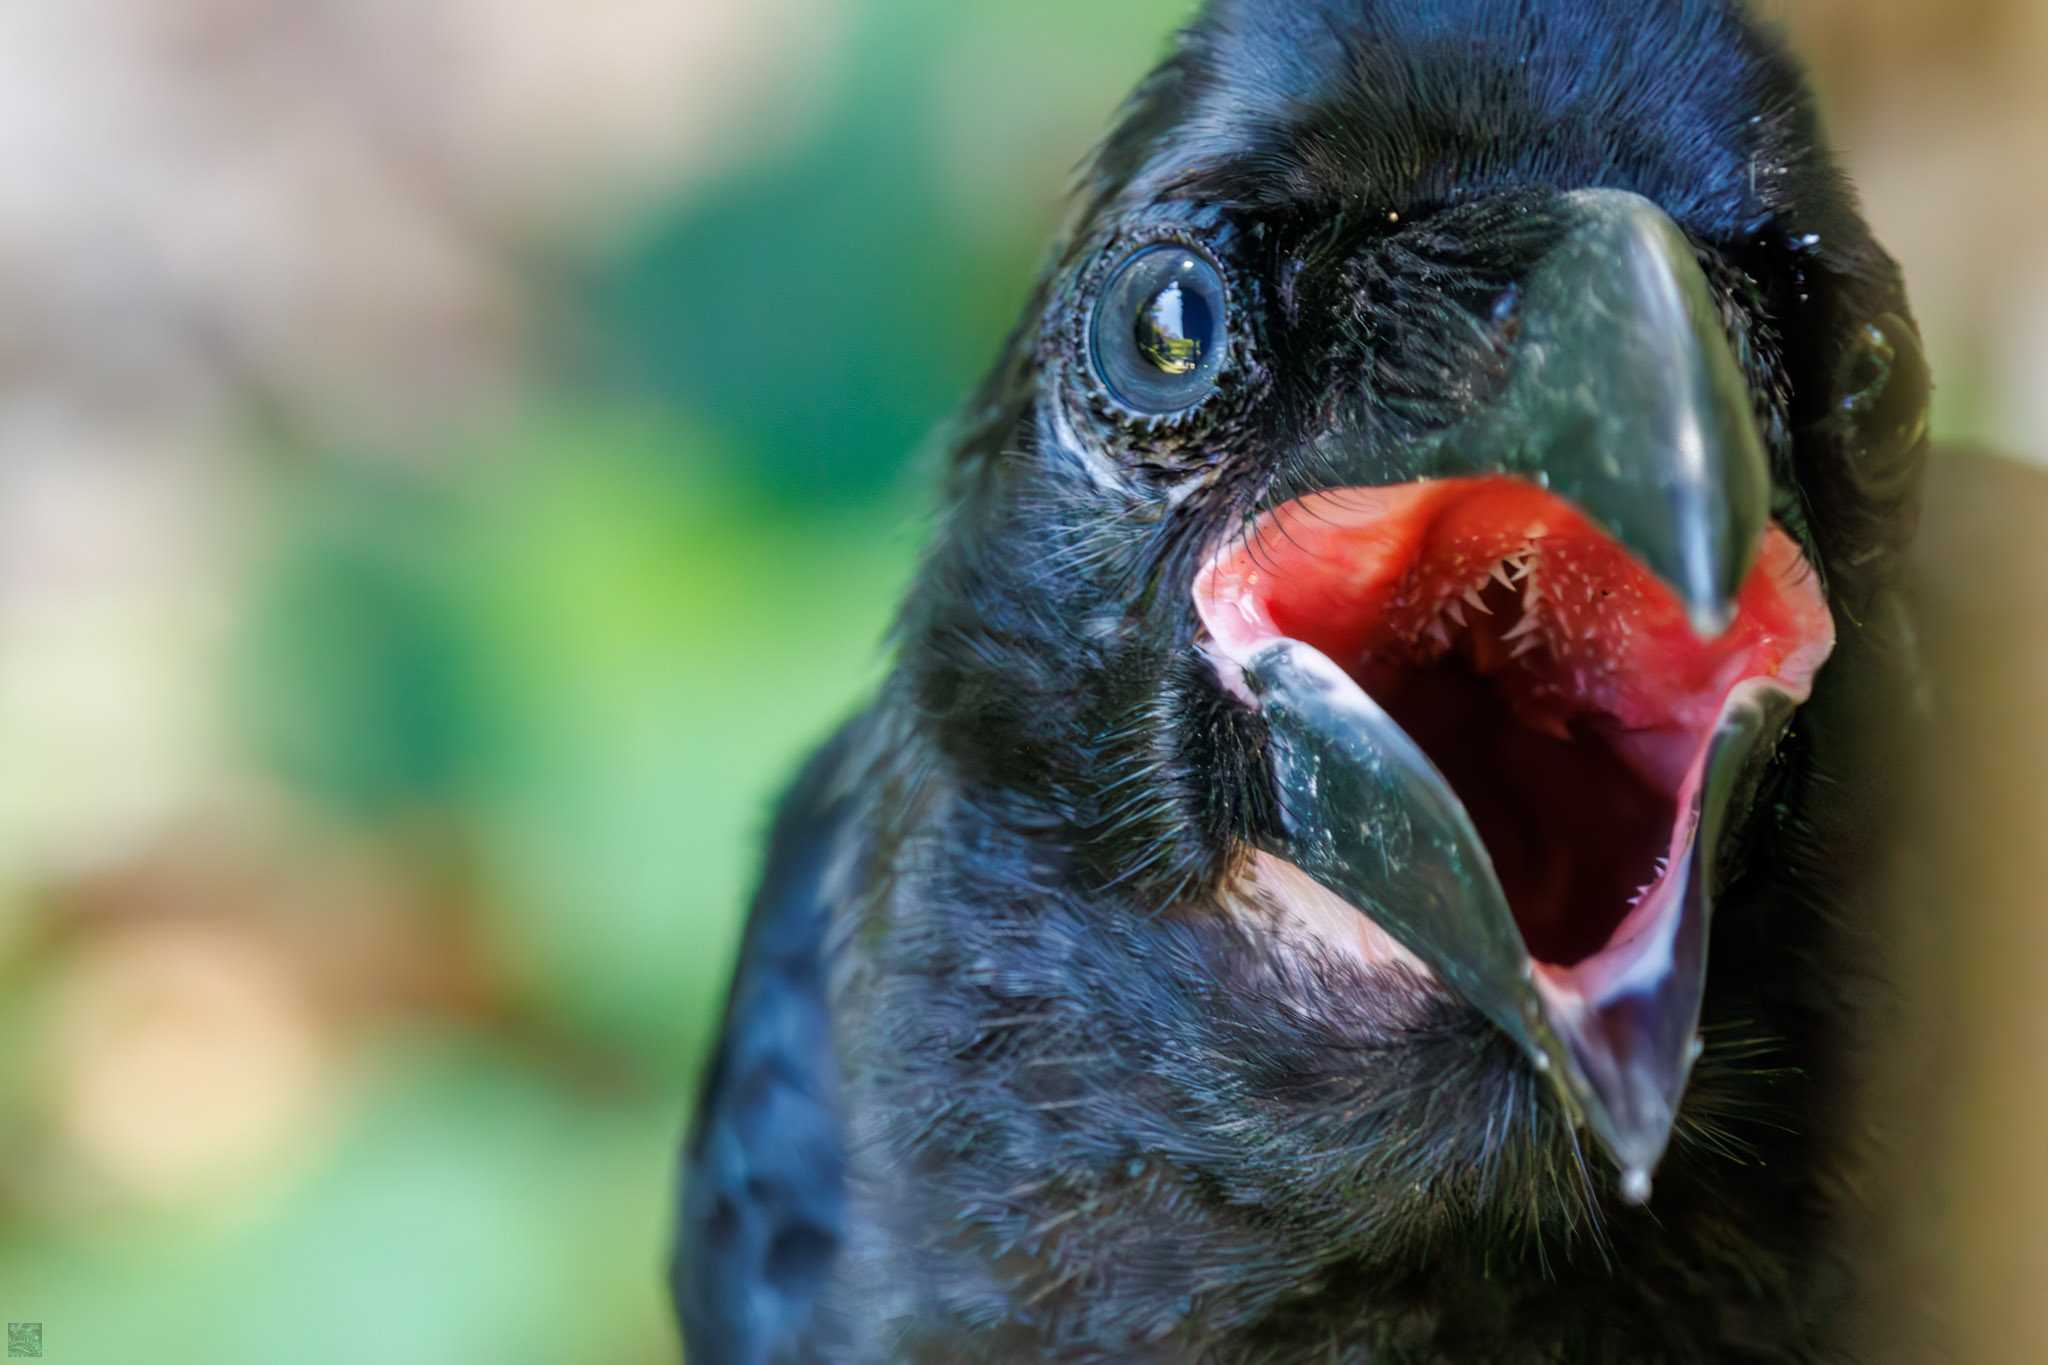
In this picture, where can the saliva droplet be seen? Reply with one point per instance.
(1635, 1186)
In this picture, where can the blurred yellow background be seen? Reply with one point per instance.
(453, 458)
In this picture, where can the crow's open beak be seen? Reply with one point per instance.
(1514, 707)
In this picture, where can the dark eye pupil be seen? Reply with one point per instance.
(1158, 337)
(1173, 329)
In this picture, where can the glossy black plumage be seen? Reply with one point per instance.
(764, 1205)
(1009, 1071)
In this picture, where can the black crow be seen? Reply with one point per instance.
(1356, 857)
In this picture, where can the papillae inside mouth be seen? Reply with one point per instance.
(1553, 681)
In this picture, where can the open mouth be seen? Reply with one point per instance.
(1553, 682)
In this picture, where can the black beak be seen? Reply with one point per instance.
(1367, 814)
(1626, 398)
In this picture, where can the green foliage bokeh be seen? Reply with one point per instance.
(553, 678)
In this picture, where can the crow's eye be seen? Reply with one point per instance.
(1159, 335)
(1886, 386)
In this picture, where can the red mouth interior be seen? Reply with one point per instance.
(1554, 682)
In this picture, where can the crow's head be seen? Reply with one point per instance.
(1438, 468)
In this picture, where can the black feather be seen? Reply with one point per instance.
(1008, 1073)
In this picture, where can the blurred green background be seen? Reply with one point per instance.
(454, 459)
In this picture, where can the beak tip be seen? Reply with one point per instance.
(1710, 614)
(1708, 579)
(1637, 1141)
